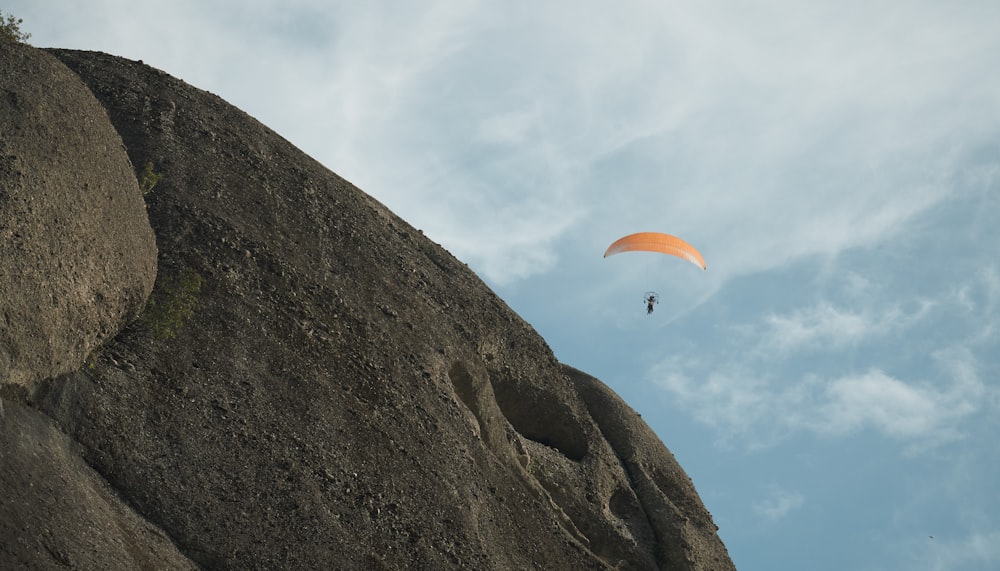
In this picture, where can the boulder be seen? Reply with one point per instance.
(77, 253)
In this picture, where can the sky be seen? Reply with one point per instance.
(832, 382)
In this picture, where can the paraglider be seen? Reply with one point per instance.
(659, 243)
(656, 242)
(651, 298)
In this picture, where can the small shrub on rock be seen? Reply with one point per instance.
(148, 179)
(172, 303)
(10, 29)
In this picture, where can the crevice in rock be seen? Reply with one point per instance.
(655, 509)
(464, 386)
(625, 506)
(477, 393)
(542, 418)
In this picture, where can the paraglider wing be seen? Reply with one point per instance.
(656, 242)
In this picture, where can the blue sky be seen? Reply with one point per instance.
(832, 382)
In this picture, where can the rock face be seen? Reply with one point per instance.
(77, 254)
(316, 385)
(57, 513)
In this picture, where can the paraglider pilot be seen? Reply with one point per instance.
(650, 300)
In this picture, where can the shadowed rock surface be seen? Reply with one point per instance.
(57, 513)
(316, 385)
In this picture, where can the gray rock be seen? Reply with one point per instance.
(77, 254)
(57, 513)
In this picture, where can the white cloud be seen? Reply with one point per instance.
(828, 327)
(911, 359)
(779, 504)
(760, 411)
(891, 406)
(819, 324)
(740, 406)
(977, 550)
(979, 299)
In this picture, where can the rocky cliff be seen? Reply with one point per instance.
(311, 384)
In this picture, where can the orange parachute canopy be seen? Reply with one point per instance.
(656, 242)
